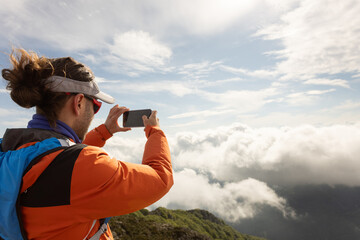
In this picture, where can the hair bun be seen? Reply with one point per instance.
(26, 97)
(25, 80)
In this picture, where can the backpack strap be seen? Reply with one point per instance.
(32, 163)
(92, 226)
(60, 168)
(53, 186)
(101, 231)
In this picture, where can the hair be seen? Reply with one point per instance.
(27, 85)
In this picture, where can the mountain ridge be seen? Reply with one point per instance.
(163, 223)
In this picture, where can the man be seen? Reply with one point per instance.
(68, 191)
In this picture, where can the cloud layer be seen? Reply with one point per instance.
(231, 171)
(283, 156)
(231, 201)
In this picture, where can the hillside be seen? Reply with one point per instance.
(167, 224)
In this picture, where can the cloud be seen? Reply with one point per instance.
(176, 88)
(306, 98)
(10, 112)
(187, 124)
(135, 51)
(231, 201)
(241, 100)
(199, 70)
(318, 37)
(283, 156)
(257, 73)
(11, 118)
(2, 90)
(72, 25)
(328, 82)
(127, 37)
(231, 171)
(139, 46)
(346, 112)
(347, 105)
(208, 17)
(126, 149)
(205, 113)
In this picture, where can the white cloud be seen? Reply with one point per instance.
(257, 73)
(176, 88)
(9, 112)
(232, 201)
(73, 25)
(347, 112)
(229, 170)
(4, 90)
(126, 149)
(140, 47)
(318, 37)
(305, 98)
(328, 82)
(199, 70)
(347, 105)
(137, 50)
(242, 101)
(204, 17)
(204, 113)
(320, 92)
(15, 118)
(132, 37)
(298, 155)
(187, 124)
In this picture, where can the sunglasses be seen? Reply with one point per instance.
(96, 103)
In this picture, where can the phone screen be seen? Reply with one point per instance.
(134, 118)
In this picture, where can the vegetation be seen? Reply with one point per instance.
(167, 224)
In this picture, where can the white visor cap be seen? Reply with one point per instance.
(63, 84)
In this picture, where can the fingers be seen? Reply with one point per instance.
(112, 119)
(153, 115)
(152, 120)
(125, 129)
(116, 110)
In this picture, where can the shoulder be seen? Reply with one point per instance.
(93, 166)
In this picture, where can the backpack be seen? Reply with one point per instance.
(13, 164)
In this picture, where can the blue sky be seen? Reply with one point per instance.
(235, 83)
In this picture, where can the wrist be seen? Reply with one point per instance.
(109, 129)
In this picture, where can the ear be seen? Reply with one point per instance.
(78, 103)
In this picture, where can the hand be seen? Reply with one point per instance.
(111, 122)
(152, 120)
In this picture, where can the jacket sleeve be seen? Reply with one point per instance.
(104, 187)
(97, 137)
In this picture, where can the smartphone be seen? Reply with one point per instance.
(134, 118)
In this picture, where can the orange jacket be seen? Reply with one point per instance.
(101, 187)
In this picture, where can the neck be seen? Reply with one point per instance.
(41, 122)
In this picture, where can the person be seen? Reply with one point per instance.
(67, 193)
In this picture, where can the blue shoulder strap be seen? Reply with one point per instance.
(12, 167)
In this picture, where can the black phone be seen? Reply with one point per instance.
(134, 118)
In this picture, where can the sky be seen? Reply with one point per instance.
(251, 94)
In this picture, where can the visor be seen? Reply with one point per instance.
(63, 84)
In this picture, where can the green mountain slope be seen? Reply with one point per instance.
(167, 224)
